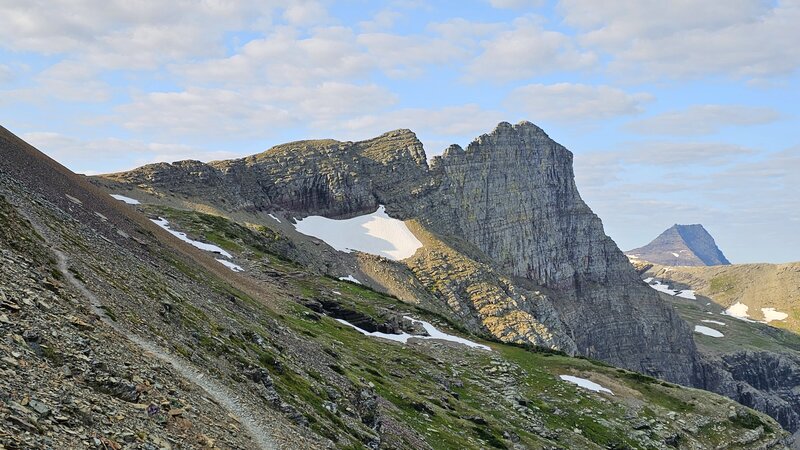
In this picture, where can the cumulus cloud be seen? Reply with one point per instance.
(570, 102)
(704, 119)
(656, 39)
(432, 125)
(526, 50)
(6, 74)
(516, 4)
(123, 34)
(259, 111)
(113, 154)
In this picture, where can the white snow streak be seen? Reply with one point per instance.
(164, 223)
(230, 265)
(128, 200)
(404, 337)
(350, 278)
(586, 384)
(717, 322)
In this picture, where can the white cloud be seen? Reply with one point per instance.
(6, 74)
(305, 13)
(203, 112)
(704, 119)
(113, 154)
(465, 31)
(526, 50)
(684, 153)
(516, 4)
(641, 190)
(123, 34)
(261, 111)
(431, 125)
(381, 22)
(568, 101)
(690, 38)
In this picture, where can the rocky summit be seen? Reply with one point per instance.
(681, 245)
(189, 312)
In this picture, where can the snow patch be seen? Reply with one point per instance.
(404, 337)
(717, 322)
(657, 285)
(276, 219)
(128, 200)
(707, 331)
(586, 384)
(375, 233)
(230, 265)
(676, 255)
(770, 314)
(164, 223)
(739, 311)
(351, 279)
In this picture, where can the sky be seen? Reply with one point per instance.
(677, 112)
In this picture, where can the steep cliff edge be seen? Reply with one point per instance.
(508, 201)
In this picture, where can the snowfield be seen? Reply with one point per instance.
(375, 233)
(586, 384)
(404, 337)
(707, 331)
(739, 311)
(657, 285)
(128, 200)
(770, 314)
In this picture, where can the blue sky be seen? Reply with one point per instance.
(677, 112)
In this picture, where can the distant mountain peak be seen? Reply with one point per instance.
(682, 245)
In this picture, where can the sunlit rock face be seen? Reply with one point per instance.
(512, 249)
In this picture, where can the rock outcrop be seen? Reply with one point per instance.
(681, 245)
(508, 200)
(765, 381)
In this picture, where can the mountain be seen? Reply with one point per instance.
(505, 211)
(681, 245)
(151, 323)
(508, 250)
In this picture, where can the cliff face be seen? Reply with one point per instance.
(324, 177)
(512, 194)
(682, 245)
(509, 200)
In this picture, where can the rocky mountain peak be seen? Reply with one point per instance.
(682, 245)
